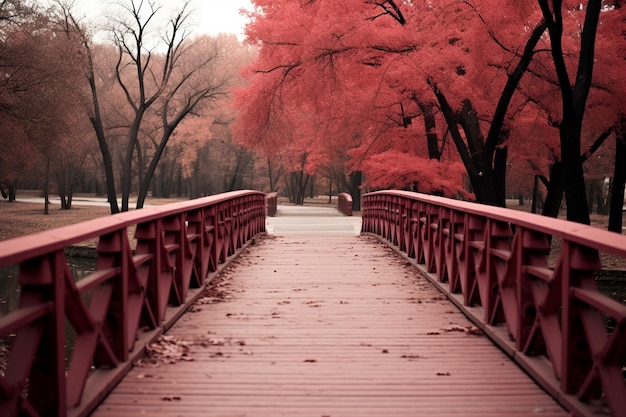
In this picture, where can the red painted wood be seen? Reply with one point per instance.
(498, 260)
(129, 300)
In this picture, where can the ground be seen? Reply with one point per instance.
(23, 218)
(17, 219)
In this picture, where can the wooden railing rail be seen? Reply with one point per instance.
(344, 203)
(139, 287)
(529, 282)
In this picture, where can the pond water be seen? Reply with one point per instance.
(10, 290)
(10, 297)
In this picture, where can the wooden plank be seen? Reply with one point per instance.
(327, 326)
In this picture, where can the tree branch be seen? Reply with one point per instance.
(390, 8)
(597, 144)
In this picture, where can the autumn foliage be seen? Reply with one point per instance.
(408, 92)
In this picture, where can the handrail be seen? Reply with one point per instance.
(344, 203)
(132, 297)
(504, 269)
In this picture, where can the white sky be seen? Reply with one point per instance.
(210, 16)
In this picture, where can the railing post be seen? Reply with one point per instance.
(272, 203)
(344, 203)
(37, 361)
(199, 244)
(211, 231)
(576, 267)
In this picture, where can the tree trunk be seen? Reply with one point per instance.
(236, 174)
(312, 187)
(107, 161)
(537, 202)
(574, 100)
(70, 195)
(552, 205)
(127, 165)
(430, 125)
(270, 173)
(12, 192)
(499, 175)
(194, 186)
(96, 122)
(574, 181)
(479, 172)
(356, 179)
(592, 194)
(46, 187)
(149, 175)
(330, 190)
(297, 187)
(619, 181)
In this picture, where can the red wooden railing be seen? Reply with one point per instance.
(540, 303)
(130, 299)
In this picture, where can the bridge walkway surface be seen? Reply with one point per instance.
(313, 320)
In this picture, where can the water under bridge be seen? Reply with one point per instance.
(422, 306)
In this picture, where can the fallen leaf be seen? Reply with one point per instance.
(455, 328)
(166, 350)
(473, 331)
(411, 357)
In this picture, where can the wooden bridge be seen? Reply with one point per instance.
(439, 307)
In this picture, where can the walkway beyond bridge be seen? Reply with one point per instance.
(315, 321)
(312, 221)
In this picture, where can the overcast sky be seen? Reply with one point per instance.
(210, 16)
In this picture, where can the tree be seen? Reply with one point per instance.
(16, 18)
(383, 64)
(468, 38)
(373, 59)
(573, 29)
(39, 94)
(162, 82)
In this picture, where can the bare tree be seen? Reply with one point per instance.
(162, 79)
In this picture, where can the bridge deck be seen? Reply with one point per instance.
(325, 325)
